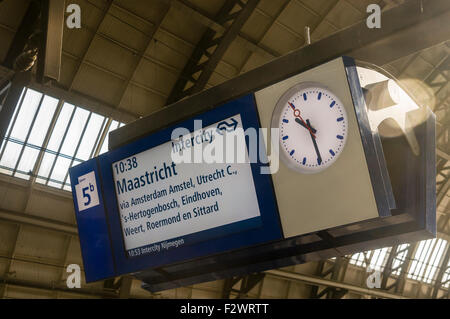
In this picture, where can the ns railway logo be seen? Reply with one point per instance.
(225, 126)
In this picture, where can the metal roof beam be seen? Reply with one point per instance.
(9, 97)
(225, 42)
(83, 58)
(442, 154)
(11, 258)
(22, 34)
(406, 30)
(47, 287)
(84, 101)
(334, 272)
(442, 192)
(36, 221)
(312, 280)
(210, 50)
(210, 23)
(141, 55)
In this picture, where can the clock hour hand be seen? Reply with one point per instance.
(297, 115)
(303, 124)
(319, 158)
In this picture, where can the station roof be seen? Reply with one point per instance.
(131, 58)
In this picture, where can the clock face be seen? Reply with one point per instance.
(313, 127)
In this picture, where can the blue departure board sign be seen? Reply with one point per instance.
(141, 206)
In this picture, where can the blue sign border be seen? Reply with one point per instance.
(270, 229)
(93, 229)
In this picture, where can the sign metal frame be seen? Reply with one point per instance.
(413, 215)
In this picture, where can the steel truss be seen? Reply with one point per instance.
(334, 273)
(247, 284)
(211, 48)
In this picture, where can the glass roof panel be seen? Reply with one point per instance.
(379, 258)
(112, 127)
(72, 138)
(93, 129)
(43, 120)
(435, 258)
(60, 127)
(426, 259)
(26, 165)
(376, 258)
(13, 119)
(59, 171)
(74, 132)
(26, 114)
(46, 165)
(10, 157)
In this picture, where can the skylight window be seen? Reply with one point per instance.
(424, 265)
(446, 277)
(426, 259)
(47, 136)
(375, 258)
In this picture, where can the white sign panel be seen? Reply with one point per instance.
(160, 199)
(86, 190)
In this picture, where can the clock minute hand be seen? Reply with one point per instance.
(303, 124)
(319, 158)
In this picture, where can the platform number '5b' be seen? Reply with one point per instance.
(86, 191)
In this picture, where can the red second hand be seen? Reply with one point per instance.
(301, 119)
